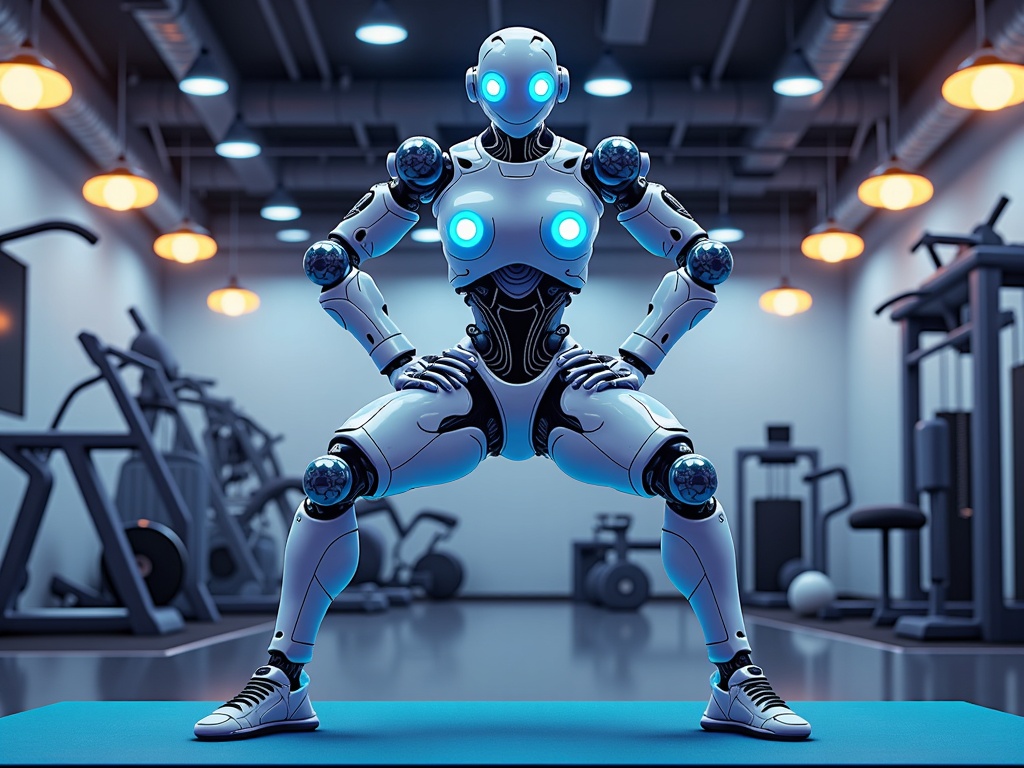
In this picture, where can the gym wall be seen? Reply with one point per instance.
(969, 177)
(298, 373)
(72, 287)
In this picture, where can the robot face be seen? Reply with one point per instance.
(516, 80)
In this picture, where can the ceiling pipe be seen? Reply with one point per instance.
(353, 176)
(284, 104)
(929, 119)
(179, 31)
(89, 118)
(834, 32)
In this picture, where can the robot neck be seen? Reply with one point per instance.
(533, 146)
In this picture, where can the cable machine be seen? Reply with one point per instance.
(961, 302)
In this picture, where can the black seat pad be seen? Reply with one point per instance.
(887, 517)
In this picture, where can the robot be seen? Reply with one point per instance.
(518, 209)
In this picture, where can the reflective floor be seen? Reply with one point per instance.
(525, 650)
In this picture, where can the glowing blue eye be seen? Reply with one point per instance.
(466, 229)
(492, 87)
(541, 86)
(568, 229)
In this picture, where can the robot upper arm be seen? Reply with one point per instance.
(616, 170)
(383, 216)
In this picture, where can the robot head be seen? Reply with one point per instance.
(516, 80)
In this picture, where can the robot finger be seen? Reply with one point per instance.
(454, 363)
(443, 368)
(576, 376)
(447, 384)
(605, 376)
(573, 357)
(462, 354)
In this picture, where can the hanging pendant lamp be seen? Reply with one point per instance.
(233, 300)
(123, 187)
(785, 300)
(28, 80)
(828, 241)
(985, 80)
(890, 185)
(189, 242)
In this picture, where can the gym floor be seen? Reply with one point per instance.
(524, 650)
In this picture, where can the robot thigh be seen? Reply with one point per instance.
(417, 438)
(610, 437)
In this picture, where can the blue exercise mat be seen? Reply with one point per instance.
(489, 732)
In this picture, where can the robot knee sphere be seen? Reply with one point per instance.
(328, 481)
(692, 479)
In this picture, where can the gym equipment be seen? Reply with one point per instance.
(31, 453)
(161, 559)
(840, 606)
(960, 301)
(886, 518)
(14, 312)
(773, 535)
(602, 572)
(438, 573)
(932, 453)
(810, 592)
(237, 479)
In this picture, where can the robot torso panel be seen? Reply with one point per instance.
(538, 213)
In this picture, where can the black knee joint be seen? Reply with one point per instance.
(656, 472)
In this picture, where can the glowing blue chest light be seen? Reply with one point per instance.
(466, 229)
(568, 229)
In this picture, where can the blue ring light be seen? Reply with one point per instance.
(542, 87)
(492, 87)
(466, 229)
(568, 229)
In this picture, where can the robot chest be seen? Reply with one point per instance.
(488, 220)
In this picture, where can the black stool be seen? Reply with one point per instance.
(885, 518)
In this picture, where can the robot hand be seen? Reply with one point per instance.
(450, 371)
(582, 368)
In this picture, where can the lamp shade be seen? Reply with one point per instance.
(607, 78)
(895, 188)
(830, 242)
(280, 206)
(203, 78)
(426, 234)
(381, 26)
(293, 235)
(121, 189)
(785, 300)
(188, 244)
(985, 81)
(233, 300)
(239, 142)
(725, 230)
(796, 78)
(29, 81)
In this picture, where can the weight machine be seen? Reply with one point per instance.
(960, 301)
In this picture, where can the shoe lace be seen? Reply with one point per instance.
(254, 692)
(761, 693)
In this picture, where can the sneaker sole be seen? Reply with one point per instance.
(729, 726)
(310, 724)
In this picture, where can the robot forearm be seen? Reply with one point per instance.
(357, 306)
(678, 305)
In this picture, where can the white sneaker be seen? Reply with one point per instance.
(266, 704)
(750, 706)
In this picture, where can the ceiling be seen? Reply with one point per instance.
(328, 108)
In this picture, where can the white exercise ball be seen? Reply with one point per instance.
(809, 592)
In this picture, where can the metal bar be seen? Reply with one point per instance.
(283, 49)
(26, 527)
(739, 13)
(80, 38)
(911, 384)
(315, 46)
(986, 456)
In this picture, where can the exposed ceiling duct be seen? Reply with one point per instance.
(929, 119)
(179, 31)
(627, 22)
(354, 176)
(283, 104)
(90, 116)
(830, 38)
